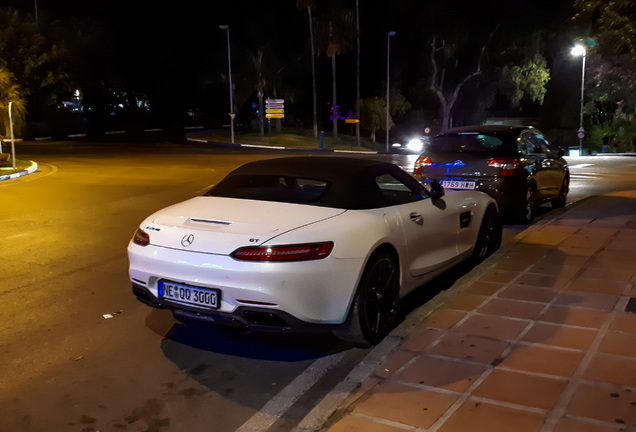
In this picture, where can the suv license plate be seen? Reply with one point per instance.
(191, 295)
(452, 184)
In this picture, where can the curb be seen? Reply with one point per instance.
(31, 169)
(337, 399)
(268, 147)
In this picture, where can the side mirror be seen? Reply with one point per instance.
(437, 190)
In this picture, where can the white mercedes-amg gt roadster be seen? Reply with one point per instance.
(304, 243)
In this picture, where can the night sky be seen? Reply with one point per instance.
(178, 44)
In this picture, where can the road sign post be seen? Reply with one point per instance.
(275, 108)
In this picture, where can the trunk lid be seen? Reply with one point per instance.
(221, 225)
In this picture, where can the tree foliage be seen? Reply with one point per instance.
(373, 112)
(611, 74)
(613, 23)
(37, 65)
(525, 81)
(10, 93)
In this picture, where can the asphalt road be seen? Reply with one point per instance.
(79, 353)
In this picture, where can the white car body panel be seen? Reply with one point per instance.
(318, 291)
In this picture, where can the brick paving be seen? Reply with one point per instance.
(539, 341)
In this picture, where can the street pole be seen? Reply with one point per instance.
(229, 63)
(388, 76)
(582, 89)
(11, 134)
(580, 51)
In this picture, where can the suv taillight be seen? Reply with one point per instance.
(508, 165)
(422, 161)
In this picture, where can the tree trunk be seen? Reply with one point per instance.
(313, 71)
(334, 107)
(261, 113)
(278, 122)
(358, 72)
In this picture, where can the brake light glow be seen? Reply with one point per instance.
(305, 252)
(420, 162)
(141, 238)
(508, 165)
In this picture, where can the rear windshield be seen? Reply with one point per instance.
(294, 190)
(467, 143)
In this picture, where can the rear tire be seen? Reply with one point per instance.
(526, 212)
(374, 308)
(489, 236)
(561, 200)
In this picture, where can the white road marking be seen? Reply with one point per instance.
(279, 404)
(577, 166)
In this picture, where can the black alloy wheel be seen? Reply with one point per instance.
(374, 308)
(489, 236)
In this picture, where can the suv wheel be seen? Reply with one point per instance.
(526, 210)
(562, 197)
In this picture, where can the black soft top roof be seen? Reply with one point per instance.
(350, 181)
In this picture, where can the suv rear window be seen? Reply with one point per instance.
(467, 143)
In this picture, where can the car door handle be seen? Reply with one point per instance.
(417, 218)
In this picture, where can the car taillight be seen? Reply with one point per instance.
(141, 238)
(422, 161)
(305, 252)
(508, 165)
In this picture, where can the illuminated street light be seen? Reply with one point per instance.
(578, 50)
(388, 56)
(229, 63)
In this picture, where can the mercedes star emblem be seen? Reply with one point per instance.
(187, 240)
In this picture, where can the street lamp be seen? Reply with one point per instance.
(578, 50)
(388, 56)
(229, 63)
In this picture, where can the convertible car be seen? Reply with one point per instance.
(305, 243)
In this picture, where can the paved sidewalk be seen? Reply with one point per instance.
(537, 339)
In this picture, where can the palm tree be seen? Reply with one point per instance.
(309, 4)
(10, 93)
(337, 29)
(259, 85)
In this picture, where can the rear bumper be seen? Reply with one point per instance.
(261, 319)
(507, 191)
(309, 292)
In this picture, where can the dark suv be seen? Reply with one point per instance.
(514, 164)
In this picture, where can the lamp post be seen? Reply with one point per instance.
(579, 51)
(388, 57)
(229, 63)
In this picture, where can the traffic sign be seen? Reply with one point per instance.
(275, 111)
(275, 115)
(581, 135)
(274, 101)
(352, 121)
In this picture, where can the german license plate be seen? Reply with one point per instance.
(454, 184)
(188, 294)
